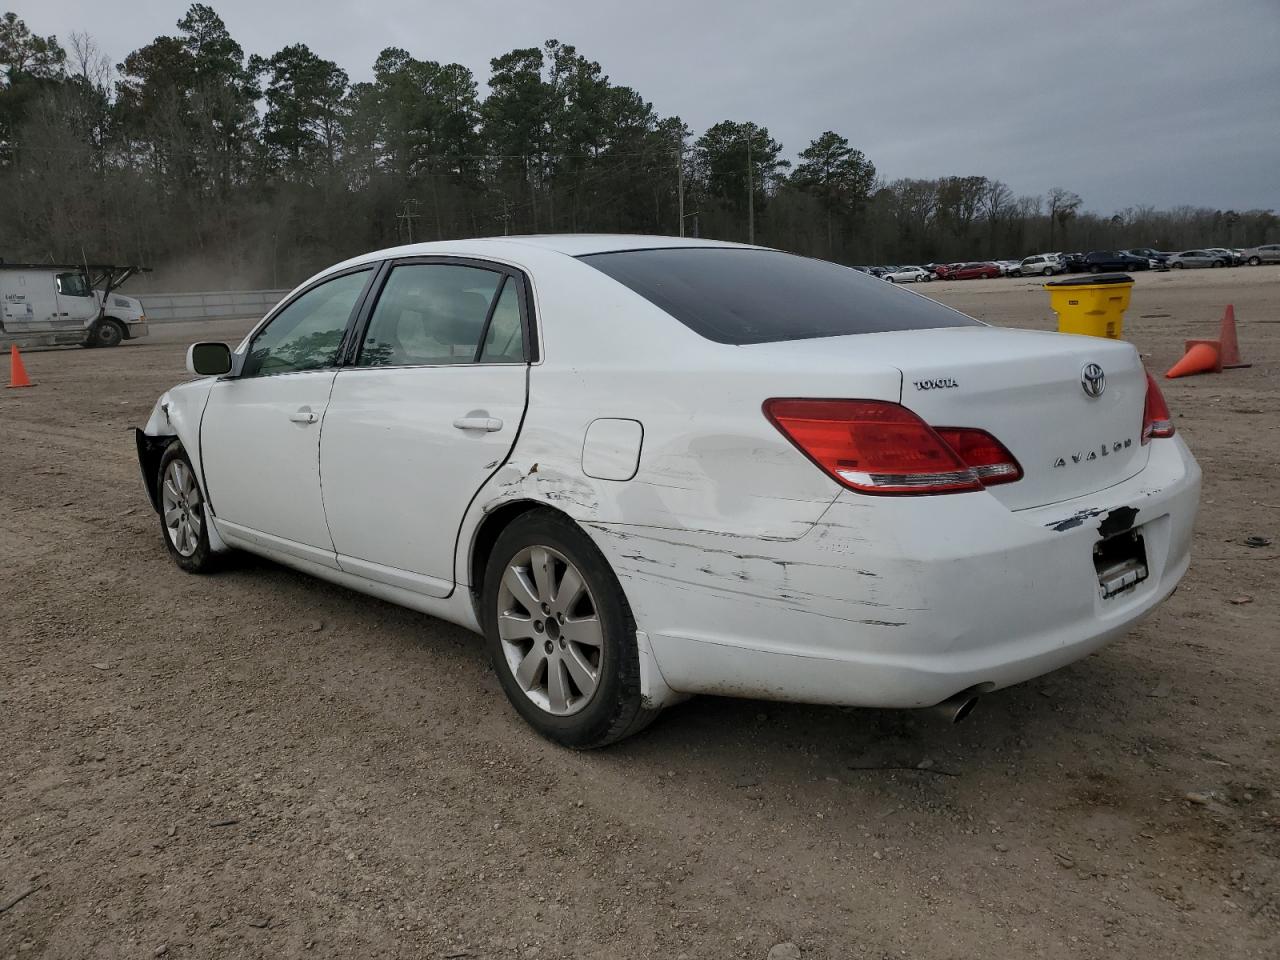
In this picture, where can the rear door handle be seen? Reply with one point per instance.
(304, 415)
(487, 424)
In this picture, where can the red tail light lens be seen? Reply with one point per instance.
(872, 446)
(989, 458)
(1157, 422)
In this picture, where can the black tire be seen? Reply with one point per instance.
(891, 280)
(1255, 261)
(1047, 271)
(202, 559)
(1179, 266)
(1095, 269)
(615, 709)
(106, 333)
(1218, 263)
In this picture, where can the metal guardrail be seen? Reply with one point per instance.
(209, 305)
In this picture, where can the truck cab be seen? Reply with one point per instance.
(50, 304)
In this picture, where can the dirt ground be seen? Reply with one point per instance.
(255, 764)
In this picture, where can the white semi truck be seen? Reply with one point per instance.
(43, 304)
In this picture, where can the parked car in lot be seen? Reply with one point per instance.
(810, 514)
(1045, 264)
(1149, 253)
(908, 275)
(1231, 258)
(1009, 268)
(1196, 258)
(1100, 261)
(1072, 262)
(984, 269)
(1267, 253)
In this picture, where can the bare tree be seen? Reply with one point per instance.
(1063, 205)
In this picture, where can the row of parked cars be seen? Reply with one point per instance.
(1095, 261)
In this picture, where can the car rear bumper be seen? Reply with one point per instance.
(903, 602)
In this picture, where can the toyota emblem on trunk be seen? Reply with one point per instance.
(1092, 380)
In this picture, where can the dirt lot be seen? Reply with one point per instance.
(258, 765)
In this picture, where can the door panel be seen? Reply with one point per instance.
(260, 434)
(76, 303)
(398, 475)
(261, 456)
(430, 408)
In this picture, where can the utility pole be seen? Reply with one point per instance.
(751, 192)
(680, 179)
(408, 215)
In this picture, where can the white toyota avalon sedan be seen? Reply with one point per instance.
(645, 468)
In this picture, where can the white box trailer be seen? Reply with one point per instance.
(44, 304)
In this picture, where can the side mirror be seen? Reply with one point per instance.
(209, 359)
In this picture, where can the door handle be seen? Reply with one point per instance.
(304, 415)
(487, 424)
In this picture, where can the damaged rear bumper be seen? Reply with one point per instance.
(904, 602)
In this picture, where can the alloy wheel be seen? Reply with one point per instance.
(550, 630)
(182, 507)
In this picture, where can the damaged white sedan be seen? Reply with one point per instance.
(646, 468)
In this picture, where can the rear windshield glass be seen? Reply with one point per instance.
(740, 296)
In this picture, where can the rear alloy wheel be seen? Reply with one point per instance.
(182, 514)
(561, 635)
(1255, 261)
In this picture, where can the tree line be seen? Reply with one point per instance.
(225, 168)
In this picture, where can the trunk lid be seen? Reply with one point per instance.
(1027, 389)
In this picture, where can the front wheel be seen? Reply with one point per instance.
(891, 280)
(1218, 263)
(105, 333)
(1255, 261)
(1047, 271)
(1095, 269)
(561, 635)
(1178, 266)
(183, 519)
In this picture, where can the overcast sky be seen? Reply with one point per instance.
(1160, 102)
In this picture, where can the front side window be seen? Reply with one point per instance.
(429, 314)
(73, 285)
(307, 334)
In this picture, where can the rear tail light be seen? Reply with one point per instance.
(989, 458)
(874, 446)
(1157, 422)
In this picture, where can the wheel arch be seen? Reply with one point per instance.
(485, 536)
(653, 686)
(122, 324)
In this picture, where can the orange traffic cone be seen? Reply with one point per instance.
(1202, 356)
(17, 370)
(1230, 348)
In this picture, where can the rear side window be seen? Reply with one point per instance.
(429, 314)
(738, 296)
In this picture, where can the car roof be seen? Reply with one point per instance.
(580, 244)
(508, 248)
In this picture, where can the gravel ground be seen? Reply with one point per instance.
(255, 764)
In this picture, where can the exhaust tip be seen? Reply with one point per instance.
(957, 707)
(964, 708)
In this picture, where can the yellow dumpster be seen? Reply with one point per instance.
(1093, 305)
